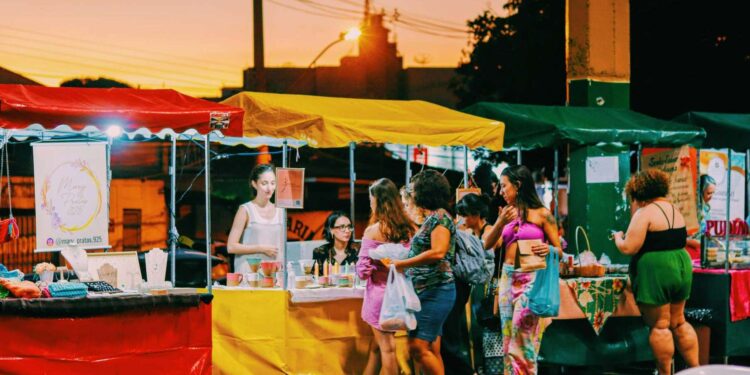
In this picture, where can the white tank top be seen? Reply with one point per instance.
(260, 231)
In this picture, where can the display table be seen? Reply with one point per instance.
(262, 332)
(572, 340)
(107, 335)
(722, 293)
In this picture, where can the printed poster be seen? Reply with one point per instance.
(290, 187)
(714, 163)
(681, 165)
(71, 195)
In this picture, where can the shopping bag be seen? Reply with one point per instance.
(544, 297)
(411, 300)
(394, 315)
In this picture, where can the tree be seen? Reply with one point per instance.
(519, 58)
(100, 82)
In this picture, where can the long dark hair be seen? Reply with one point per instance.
(255, 174)
(331, 222)
(395, 225)
(526, 198)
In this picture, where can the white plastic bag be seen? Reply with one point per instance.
(390, 250)
(411, 300)
(394, 315)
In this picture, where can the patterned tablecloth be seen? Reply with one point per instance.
(598, 297)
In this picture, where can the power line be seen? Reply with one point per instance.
(118, 63)
(310, 12)
(139, 51)
(76, 63)
(77, 48)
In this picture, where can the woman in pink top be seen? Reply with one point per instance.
(388, 224)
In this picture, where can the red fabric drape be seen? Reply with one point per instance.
(163, 341)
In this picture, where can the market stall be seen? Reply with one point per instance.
(596, 145)
(321, 331)
(721, 283)
(82, 326)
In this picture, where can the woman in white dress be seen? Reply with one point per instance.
(256, 230)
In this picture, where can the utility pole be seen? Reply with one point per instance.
(259, 65)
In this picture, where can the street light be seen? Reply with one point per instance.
(352, 34)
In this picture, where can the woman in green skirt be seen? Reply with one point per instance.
(661, 271)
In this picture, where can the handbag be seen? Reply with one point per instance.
(544, 297)
(9, 230)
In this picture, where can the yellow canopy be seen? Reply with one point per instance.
(334, 122)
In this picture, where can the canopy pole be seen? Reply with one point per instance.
(408, 165)
(555, 183)
(518, 156)
(110, 141)
(466, 167)
(173, 208)
(747, 181)
(729, 205)
(285, 164)
(638, 157)
(352, 180)
(207, 188)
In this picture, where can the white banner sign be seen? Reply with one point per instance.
(71, 195)
(714, 163)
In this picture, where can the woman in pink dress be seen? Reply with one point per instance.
(388, 224)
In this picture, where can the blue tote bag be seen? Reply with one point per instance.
(544, 298)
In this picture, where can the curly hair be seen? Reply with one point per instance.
(648, 185)
(431, 190)
(395, 225)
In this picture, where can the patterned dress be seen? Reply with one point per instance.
(438, 273)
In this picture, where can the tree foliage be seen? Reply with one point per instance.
(100, 82)
(519, 58)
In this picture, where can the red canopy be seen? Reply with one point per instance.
(131, 109)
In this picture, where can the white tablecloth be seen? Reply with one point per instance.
(325, 294)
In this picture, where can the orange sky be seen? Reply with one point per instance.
(197, 46)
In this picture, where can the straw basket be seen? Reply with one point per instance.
(586, 270)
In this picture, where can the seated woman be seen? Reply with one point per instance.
(341, 248)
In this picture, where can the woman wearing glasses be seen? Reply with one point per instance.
(340, 248)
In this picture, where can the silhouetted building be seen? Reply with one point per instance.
(8, 77)
(376, 72)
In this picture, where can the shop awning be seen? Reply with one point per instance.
(335, 122)
(146, 111)
(722, 129)
(535, 126)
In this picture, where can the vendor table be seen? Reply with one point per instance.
(107, 335)
(257, 331)
(728, 296)
(610, 331)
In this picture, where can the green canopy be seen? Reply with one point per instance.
(536, 126)
(722, 129)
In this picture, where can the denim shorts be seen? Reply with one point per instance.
(437, 303)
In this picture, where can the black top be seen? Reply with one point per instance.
(326, 253)
(668, 239)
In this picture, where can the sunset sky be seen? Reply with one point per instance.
(198, 46)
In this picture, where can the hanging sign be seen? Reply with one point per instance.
(290, 187)
(714, 163)
(71, 195)
(681, 166)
